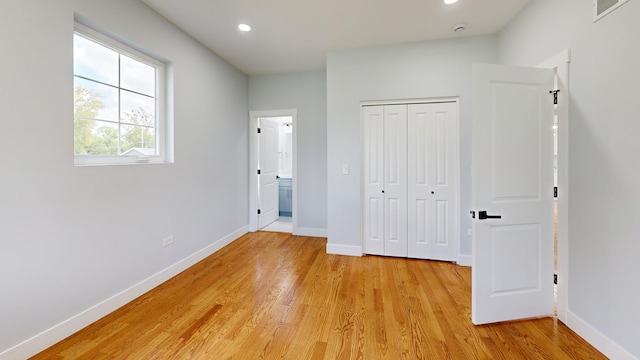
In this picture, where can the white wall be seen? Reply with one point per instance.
(71, 237)
(604, 196)
(419, 70)
(306, 92)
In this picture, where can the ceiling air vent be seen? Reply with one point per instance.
(604, 7)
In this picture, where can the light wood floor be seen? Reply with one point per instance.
(277, 296)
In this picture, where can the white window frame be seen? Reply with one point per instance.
(597, 16)
(161, 120)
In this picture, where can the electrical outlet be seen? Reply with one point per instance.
(167, 241)
(345, 169)
(469, 232)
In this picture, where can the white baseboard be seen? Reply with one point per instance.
(594, 337)
(348, 250)
(310, 232)
(72, 325)
(465, 260)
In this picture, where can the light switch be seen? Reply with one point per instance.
(345, 169)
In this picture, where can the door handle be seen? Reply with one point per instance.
(482, 215)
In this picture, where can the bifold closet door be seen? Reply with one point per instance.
(410, 180)
(385, 180)
(432, 134)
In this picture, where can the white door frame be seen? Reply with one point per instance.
(253, 165)
(456, 171)
(561, 62)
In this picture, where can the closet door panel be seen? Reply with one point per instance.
(373, 174)
(420, 155)
(395, 180)
(432, 149)
(445, 244)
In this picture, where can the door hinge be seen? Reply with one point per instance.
(555, 279)
(258, 171)
(555, 96)
(555, 191)
(258, 211)
(258, 130)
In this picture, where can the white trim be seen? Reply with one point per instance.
(458, 179)
(253, 164)
(465, 260)
(594, 337)
(294, 170)
(411, 101)
(347, 250)
(298, 231)
(597, 17)
(557, 60)
(561, 62)
(79, 321)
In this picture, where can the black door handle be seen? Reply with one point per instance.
(482, 215)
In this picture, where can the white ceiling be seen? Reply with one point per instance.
(295, 35)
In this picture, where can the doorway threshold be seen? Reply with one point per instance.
(283, 224)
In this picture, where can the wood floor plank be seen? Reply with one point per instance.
(278, 296)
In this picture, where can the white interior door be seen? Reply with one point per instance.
(512, 177)
(432, 182)
(268, 165)
(395, 180)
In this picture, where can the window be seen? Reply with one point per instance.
(118, 102)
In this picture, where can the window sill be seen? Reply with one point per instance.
(80, 160)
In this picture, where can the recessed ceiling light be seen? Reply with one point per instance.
(450, 1)
(244, 27)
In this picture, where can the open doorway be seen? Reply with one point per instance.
(560, 64)
(273, 165)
